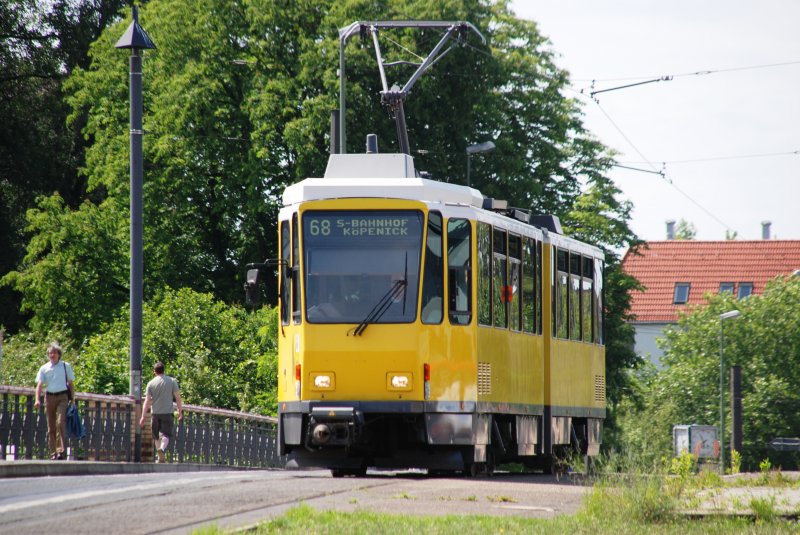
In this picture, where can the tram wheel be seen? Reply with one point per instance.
(547, 464)
(354, 472)
(472, 470)
(490, 466)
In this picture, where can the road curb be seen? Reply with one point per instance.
(12, 469)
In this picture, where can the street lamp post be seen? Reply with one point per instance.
(478, 148)
(722, 317)
(136, 39)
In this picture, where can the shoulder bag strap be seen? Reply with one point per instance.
(66, 381)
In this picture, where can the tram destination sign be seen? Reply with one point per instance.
(321, 225)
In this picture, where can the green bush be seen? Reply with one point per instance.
(221, 355)
(24, 354)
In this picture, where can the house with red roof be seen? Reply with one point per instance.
(677, 274)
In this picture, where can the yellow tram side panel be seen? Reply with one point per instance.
(516, 366)
(574, 372)
(577, 375)
(513, 361)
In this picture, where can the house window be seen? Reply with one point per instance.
(745, 289)
(726, 287)
(681, 293)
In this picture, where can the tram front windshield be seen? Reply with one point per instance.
(362, 265)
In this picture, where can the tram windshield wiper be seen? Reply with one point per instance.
(380, 308)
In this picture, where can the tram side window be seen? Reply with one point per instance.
(598, 301)
(513, 295)
(459, 267)
(529, 286)
(587, 305)
(538, 261)
(484, 274)
(574, 296)
(561, 295)
(286, 254)
(500, 279)
(433, 284)
(296, 315)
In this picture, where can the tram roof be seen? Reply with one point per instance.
(392, 176)
(383, 176)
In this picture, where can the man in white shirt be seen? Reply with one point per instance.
(56, 377)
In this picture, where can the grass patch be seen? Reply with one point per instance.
(303, 520)
(627, 497)
(501, 499)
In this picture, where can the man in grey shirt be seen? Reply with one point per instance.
(160, 392)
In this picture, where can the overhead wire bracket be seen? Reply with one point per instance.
(394, 97)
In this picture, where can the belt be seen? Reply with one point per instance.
(57, 393)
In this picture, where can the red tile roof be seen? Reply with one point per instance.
(703, 264)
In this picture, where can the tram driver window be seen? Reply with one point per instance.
(433, 283)
(458, 272)
(296, 315)
(286, 254)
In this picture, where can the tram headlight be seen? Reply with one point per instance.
(400, 381)
(323, 380)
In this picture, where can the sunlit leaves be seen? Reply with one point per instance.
(764, 341)
(221, 356)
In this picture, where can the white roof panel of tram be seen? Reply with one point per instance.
(386, 176)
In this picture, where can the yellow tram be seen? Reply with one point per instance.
(423, 325)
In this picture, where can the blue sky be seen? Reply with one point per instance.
(730, 137)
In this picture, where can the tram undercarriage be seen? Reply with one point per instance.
(348, 441)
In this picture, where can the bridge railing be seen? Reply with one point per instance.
(205, 435)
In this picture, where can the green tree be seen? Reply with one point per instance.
(72, 277)
(685, 230)
(25, 353)
(221, 356)
(237, 99)
(41, 43)
(764, 342)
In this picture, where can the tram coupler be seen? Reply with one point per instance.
(333, 426)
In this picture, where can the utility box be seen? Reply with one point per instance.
(700, 440)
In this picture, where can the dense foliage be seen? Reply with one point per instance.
(237, 101)
(764, 341)
(220, 355)
(41, 44)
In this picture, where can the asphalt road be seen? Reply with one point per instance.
(182, 501)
